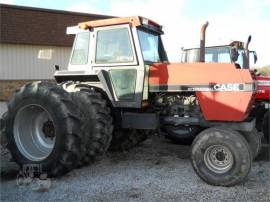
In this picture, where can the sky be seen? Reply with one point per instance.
(182, 19)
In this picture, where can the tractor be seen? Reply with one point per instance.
(119, 88)
(236, 52)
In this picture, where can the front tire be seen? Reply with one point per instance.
(43, 128)
(221, 157)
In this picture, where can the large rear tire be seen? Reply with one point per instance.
(97, 123)
(126, 139)
(221, 157)
(43, 128)
(121, 139)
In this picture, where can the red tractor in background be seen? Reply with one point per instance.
(262, 105)
(236, 52)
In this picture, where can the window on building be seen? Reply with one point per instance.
(45, 54)
(80, 49)
(113, 46)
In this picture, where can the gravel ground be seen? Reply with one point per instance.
(157, 170)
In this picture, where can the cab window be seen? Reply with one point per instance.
(113, 46)
(151, 46)
(80, 49)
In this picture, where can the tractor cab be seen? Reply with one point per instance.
(116, 52)
(117, 41)
(232, 53)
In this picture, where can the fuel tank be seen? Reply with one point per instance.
(263, 88)
(224, 92)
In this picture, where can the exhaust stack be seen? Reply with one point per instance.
(246, 61)
(202, 42)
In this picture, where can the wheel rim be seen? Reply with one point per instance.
(34, 132)
(218, 158)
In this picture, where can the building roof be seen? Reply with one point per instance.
(36, 26)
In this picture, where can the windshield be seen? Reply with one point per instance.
(218, 54)
(213, 54)
(151, 45)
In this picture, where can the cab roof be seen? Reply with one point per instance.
(237, 44)
(134, 21)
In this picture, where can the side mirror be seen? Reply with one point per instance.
(255, 57)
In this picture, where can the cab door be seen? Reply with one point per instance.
(115, 56)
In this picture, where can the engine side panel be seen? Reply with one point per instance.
(224, 92)
(229, 106)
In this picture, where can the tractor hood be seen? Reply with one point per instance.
(218, 86)
(199, 74)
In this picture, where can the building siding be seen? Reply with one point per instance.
(26, 25)
(22, 62)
